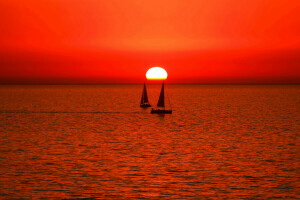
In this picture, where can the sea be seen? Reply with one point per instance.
(95, 142)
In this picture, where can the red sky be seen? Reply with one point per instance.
(117, 41)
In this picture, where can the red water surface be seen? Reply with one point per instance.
(221, 142)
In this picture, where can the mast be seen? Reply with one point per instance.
(142, 99)
(161, 100)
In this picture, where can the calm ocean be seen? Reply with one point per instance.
(221, 142)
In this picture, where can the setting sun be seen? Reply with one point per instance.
(156, 73)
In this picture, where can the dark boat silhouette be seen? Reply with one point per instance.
(160, 109)
(144, 100)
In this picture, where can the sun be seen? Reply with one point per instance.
(156, 73)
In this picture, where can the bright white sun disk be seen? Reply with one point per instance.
(156, 73)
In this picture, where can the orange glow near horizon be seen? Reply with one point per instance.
(98, 41)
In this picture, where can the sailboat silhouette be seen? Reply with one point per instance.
(161, 103)
(144, 100)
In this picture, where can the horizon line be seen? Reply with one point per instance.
(155, 83)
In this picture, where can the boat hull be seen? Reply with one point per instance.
(145, 105)
(158, 111)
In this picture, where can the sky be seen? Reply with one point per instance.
(117, 41)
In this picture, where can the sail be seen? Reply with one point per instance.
(144, 98)
(161, 100)
(145, 94)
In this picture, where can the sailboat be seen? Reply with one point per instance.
(161, 104)
(144, 100)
